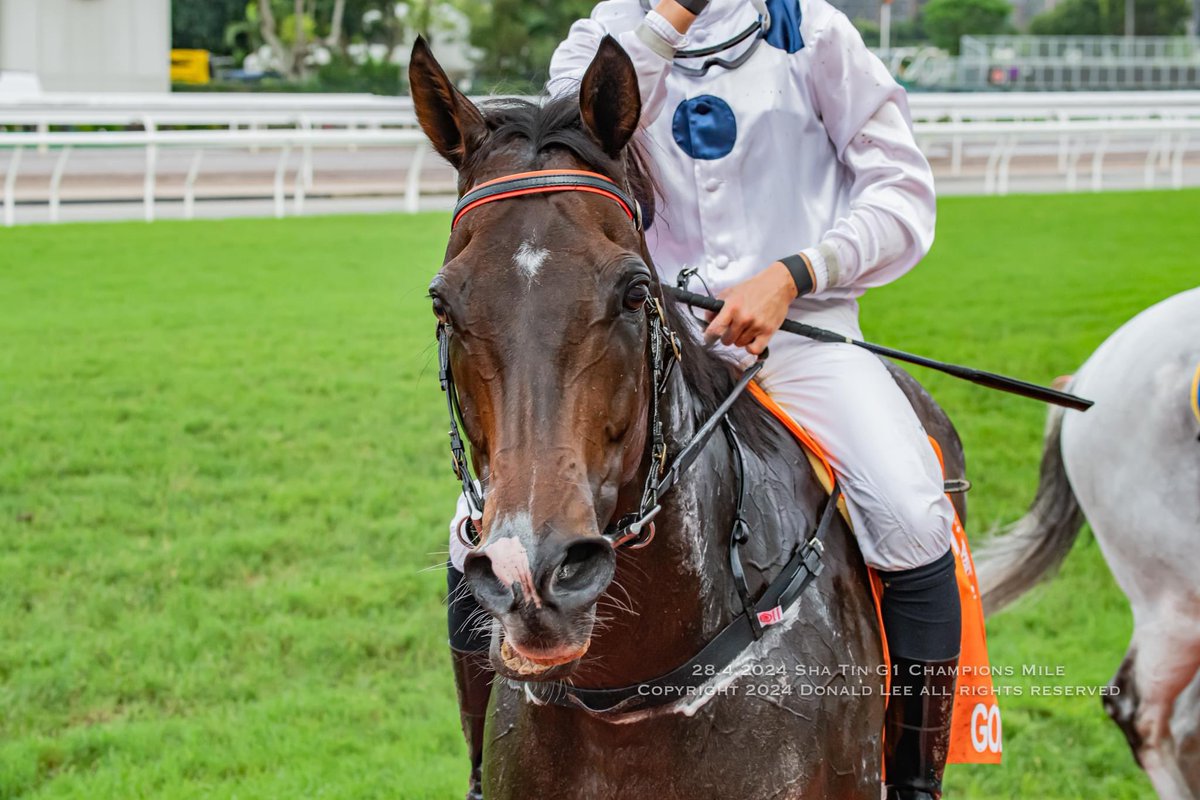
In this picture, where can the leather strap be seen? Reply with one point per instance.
(544, 182)
(711, 662)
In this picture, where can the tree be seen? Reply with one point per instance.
(292, 28)
(947, 21)
(201, 25)
(1107, 18)
(518, 37)
(287, 37)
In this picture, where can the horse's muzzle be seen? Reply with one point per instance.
(511, 662)
(544, 601)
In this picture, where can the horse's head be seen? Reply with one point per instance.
(544, 298)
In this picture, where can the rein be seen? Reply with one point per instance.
(635, 530)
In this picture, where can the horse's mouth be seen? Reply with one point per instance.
(526, 666)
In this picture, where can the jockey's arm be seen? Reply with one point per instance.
(892, 206)
(890, 223)
(651, 45)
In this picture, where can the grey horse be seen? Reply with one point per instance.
(1131, 468)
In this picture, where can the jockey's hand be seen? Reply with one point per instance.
(754, 309)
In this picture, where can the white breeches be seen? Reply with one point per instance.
(888, 470)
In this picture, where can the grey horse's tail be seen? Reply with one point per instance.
(1033, 548)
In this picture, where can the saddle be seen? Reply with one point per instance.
(975, 729)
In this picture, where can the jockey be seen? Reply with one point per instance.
(791, 184)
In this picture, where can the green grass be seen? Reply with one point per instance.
(223, 470)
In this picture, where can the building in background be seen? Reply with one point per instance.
(88, 45)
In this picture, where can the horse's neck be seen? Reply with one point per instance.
(670, 598)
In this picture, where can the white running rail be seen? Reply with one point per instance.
(152, 141)
(1074, 128)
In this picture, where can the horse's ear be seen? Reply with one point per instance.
(452, 122)
(609, 97)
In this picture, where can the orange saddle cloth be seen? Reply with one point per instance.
(975, 729)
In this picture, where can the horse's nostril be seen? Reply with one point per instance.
(575, 561)
(493, 594)
(481, 571)
(586, 567)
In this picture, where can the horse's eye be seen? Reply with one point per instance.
(439, 310)
(636, 296)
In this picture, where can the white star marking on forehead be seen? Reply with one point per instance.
(529, 258)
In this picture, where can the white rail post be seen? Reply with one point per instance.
(56, 180)
(280, 171)
(306, 164)
(1010, 147)
(956, 148)
(298, 199)
(885, 25)
(10, 186)
(43, 127)
(1148, 169)
(1064, 145)
(1177, 163)
(1098, 163)
(189, 185)
(412, 189)
(1073, 164)
(151, 172)
(989, 175)
(1164, 163)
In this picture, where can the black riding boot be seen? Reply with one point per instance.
(917, 734)
(923, 622)
(472, 671)
(473, 678)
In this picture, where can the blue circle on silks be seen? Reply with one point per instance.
(705, 127)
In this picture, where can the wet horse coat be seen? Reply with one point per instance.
(798, 716)
(551, 367)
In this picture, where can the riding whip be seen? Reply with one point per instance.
(989, 379)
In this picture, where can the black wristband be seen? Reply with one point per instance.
(802, 273)
(694, 7)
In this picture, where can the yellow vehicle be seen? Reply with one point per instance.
(190, 66)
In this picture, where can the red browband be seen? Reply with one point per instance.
(543, 182)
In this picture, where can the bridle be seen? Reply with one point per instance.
(635, 530)
(544, 182)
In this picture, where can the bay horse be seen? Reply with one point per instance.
(552, 333)
(1131, 468)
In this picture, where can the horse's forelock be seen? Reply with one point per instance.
(557, 124)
